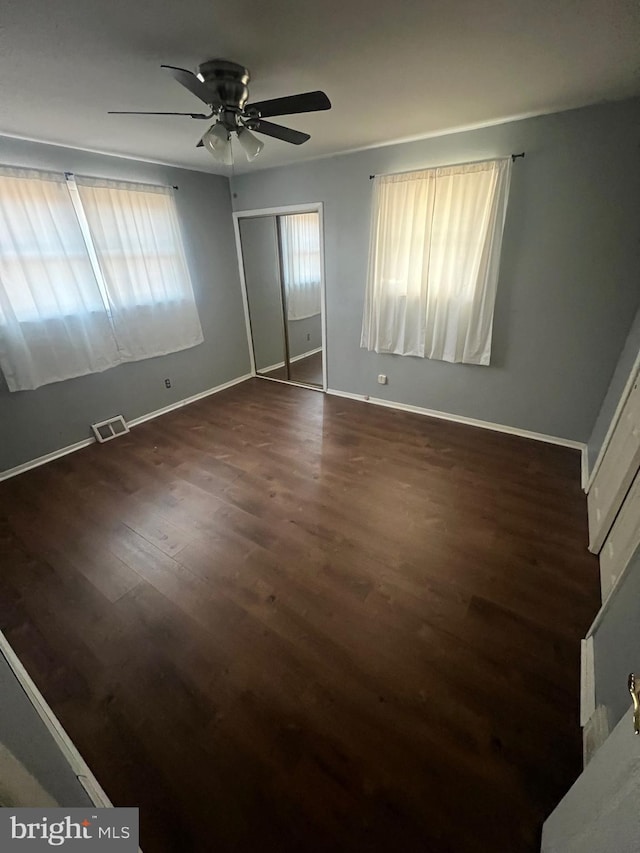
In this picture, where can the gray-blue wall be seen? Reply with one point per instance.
(568, 288)
(33, 423)
(567, 295)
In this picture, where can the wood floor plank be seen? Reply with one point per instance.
(276, 620)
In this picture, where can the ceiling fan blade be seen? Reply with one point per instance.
(287, 134)
(307, 102)
(189, 80)
(144, 113)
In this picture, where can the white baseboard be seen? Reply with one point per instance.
(66, 746)
(269, 368)
(307, 354)
(71, 448)
(460, 419)
(48, 457)
(280, 364)
(292, 382)
(187, 400)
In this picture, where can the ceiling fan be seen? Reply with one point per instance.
(223, 86)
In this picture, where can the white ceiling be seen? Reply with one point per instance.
(393, 70)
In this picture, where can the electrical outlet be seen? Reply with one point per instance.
(167, 383)
(308, 336)
(382, 379)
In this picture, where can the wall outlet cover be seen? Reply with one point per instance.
(382, 379)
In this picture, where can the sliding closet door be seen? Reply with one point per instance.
(259, 242)
(301, 267)
(282, 267)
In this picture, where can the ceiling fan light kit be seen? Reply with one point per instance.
(251, 145)
(218, 143)
(224, 87)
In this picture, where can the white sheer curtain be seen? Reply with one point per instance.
(135, 233)
(300, 244)
(53, 325)
(434, 255)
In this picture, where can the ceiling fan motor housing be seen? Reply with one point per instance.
(228, 82)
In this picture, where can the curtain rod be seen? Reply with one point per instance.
(97, 177)
(124, 181)
(514, 157)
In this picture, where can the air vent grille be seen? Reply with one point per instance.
(111, 428)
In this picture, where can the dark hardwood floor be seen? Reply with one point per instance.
(279, 621)
(307, 370)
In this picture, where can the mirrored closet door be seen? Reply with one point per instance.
(281, 264)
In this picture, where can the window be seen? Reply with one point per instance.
(92, 274)
(300, 254)
(135, 234)
(433, 261)
(40, 244)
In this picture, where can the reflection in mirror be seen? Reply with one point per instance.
(282, 267)
(301, 279)
(259, 242)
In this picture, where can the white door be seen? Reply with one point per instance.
(601, 812)
(619, 466)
